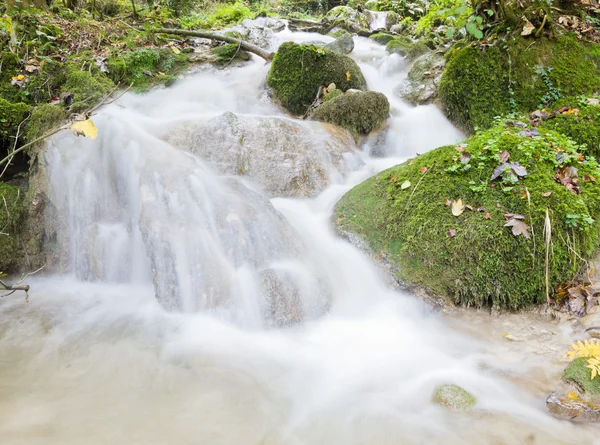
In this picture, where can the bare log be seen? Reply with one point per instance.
(267, 55)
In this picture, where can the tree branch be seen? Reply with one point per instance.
(267, 55)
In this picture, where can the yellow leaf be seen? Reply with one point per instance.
(457, 207)
(573, 396)
(175, 50)
(19, 77)
(586, 349)
(348, 76)
(85, 128)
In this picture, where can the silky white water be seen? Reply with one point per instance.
(279, 332)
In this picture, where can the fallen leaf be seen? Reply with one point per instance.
(487, 216)
(469, 207)
(528, 28)
(31, 68)
(348, 76)
(509, 170)
(546, 194)
(405, 185)
(588, 178)
(178, 51)
(504, 156)
(423, 169)
(457, 207)
(511, 337)
(460, 148)
(577, 301)
(529, 133)
(518, 225)
(19, 77)
(85, 128)
(451, 233)
(580, 157)
(465, 157)
(447, 202)
(524, 194)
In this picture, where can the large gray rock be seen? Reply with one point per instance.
(343, 44)
(285, 156)
(420, 86)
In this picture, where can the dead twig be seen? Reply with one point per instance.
(12, 288)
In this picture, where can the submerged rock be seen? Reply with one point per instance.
(420, 86)
(360, 112)
(286, 157)
(298, 71)
(343, 44)
(454, 397)
(573, 409)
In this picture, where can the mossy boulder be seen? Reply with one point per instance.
(358, 112)
(87, 89)
(580, 375)
(44, 118)
(407, 48)
(298, 70)
(475, 258)
(11, 115)
(11, 218)
(348, 18)
(454, 397)
(480, 83)
(382, 37)
(225, 54)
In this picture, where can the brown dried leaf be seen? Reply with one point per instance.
(518, 226)
(487, 216)
(528, 28)
(504, 156)
(447, 202)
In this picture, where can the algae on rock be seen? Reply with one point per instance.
(474, 258)
(298, 70)
(358, 112)
(454, 397)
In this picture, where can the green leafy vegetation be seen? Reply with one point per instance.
(480, 241)
(11, 217)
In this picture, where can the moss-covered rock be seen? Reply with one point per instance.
(474, 258)
(382, 37)
(580, 375)
(360, 113)
(11, 115)
(225, 54)
(344, 44)
(44, 118)
(298, 71)
(11, 217)
(481, 83)
(399, 46)
(454, 397)
(146, 67)
(348, 18)
(87, 89)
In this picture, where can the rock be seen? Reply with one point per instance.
(573, 409)
(591, 324)
(286, 157)
(382, 37)
(229, 53)
(396, 29)
(463, 267)
(344, 44)
(347, 18)
(420, 86)
(360, 113)
(454, 397)
(298, 71)
(578, 374)
(406, 48)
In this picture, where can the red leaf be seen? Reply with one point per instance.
(423, 169)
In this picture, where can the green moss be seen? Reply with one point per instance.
(11, 115)
(329, 96)
(399, 46)
(218, 15)
(480, 84)
(359, 113)
(382, 37)
(11, 217)
(146, 67)
(87, 89)
(228, 53)
(417, 50)
(298, 71)
(482, 263)
(579, 374)
(337, 33)
(44, 118)
(583, 127)
(454, 397)
(10, 66)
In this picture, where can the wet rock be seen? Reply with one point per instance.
(348, 18)
(407, 48)
(382, 37)
(360, 113)
(286, 157)
(420, 86)
(343, 44)
(454, 397)
(376, 144)
(298, 71)
(259, 31)
(591, 324)
(573, 409)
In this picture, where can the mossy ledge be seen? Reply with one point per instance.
(298, 70)
(473, 258)
(480, 83)
(580, 375)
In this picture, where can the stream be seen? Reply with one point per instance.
(278, 332)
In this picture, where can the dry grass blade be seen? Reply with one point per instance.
(547, 242)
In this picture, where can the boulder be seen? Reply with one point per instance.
(343, 44)
(286, 157)
(460, 251)
(382, 37)
(407, 48)
(454, 397)
(360, 112)
(298, 70)
(420, 86)
(348, 18)
(572, 409)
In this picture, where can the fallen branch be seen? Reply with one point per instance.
(12, 288)
(267, 55)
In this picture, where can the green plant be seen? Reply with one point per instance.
(552, 93)
(581, 221)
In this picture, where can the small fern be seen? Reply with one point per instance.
(589, 349)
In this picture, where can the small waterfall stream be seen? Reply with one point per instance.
(278, 332)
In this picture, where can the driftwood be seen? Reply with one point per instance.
(12, 288)
(267, 55)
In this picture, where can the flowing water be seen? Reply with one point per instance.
(282, 333)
